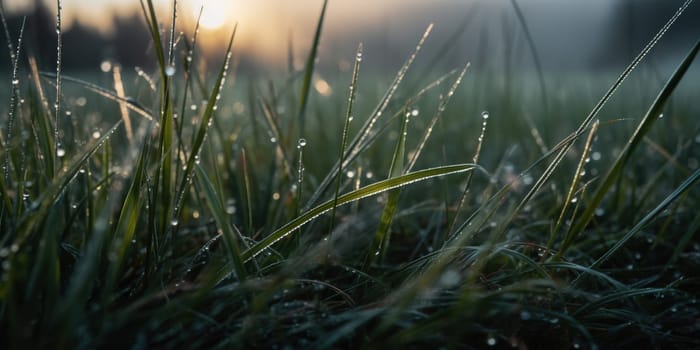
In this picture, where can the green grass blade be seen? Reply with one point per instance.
(130, 103)
(369, 190)
(360, 142)
(309, 71)
(50, 195)
(685, 186)
(642, 129)
(126, 225)
(232, 236)
(346, 126)
(613, 297)
(380, 243)
(206, 121)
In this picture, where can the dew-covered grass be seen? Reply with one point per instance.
(408, 208)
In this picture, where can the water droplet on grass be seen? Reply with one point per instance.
(15, 82)
(485, 114)
(170, 70)
(491, 341)
(60, 152)
(301, 143)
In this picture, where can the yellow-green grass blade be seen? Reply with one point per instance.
(378, 248)
(369, 190)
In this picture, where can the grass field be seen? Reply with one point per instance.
(455, 209)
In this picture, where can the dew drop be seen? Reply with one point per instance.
(273, 139)
(276, 196)
(170, 70)
(485, 114)
(106, 66)
(15, 82)
(414, 112)
(174, 222)
(301, 143)
(491, 341)
(60, 152)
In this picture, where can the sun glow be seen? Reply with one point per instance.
(215, 13)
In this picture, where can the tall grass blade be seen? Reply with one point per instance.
(635, 139)
(206, 120)
(309, 71)
(369, 190)
(59, 54)
(232, 237)
(380, 244)
(574, 183)
(346, 126)
(360, 142)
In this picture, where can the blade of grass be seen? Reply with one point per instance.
(50, 195)
(346, 126)
(574, 184)
(359, 143)
(369, 190)
(682, 188)
(130, 103)
(164, 180)
(635, 139)
(232, 237)
(309, 71)
(204, 124)
(380, 244)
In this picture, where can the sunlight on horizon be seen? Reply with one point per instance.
(265, 27)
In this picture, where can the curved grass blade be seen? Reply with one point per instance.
(309, 71)
(615, 296)
(642, 129)
(369, 190)
(111, 95)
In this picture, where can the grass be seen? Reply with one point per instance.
(357, 220)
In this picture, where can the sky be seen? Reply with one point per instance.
(566, 32)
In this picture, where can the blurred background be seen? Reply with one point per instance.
(570, 36)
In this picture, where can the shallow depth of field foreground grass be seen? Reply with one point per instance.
(171, 212)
